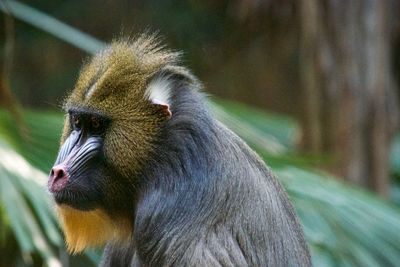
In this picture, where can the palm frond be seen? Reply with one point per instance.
(27, 208)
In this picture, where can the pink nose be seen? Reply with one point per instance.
(58, 178)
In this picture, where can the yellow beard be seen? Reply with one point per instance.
(94, 228)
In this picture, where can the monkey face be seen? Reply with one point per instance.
(114, 121)
(99, 160)
(79, 172)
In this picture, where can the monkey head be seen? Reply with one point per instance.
(114, 116)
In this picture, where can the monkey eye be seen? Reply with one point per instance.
(95, 122)
(76, 121)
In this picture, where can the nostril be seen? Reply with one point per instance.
(58, 178)
(58, 172)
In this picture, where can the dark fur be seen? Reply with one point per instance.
(206, 199)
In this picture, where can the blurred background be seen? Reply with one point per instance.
(312, 86)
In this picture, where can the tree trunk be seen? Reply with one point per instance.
(348, 87)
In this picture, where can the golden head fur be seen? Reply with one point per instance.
(114, 83)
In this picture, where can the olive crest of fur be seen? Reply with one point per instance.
(114, 83)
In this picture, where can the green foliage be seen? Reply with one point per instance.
(273, 136)
(26, 207)
(39, 141)
(280, 133)
(343, 224)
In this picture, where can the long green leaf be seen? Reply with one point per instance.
(15, 171)
(51, 25)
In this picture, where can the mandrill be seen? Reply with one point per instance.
(146, 170)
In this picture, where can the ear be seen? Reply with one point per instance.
(158, 92)
(160, 88)
(164, 107)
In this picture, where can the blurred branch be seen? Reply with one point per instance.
(52, 26)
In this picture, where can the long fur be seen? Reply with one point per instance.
(210, 200)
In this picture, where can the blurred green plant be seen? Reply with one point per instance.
(344, 226)
(26, 208)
